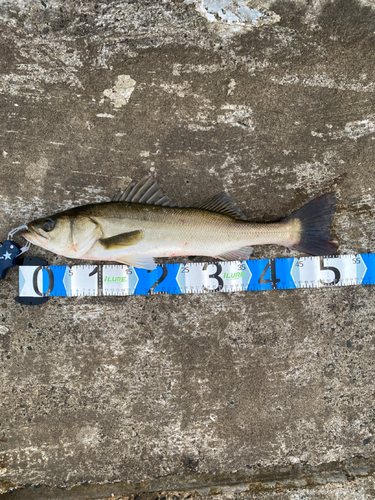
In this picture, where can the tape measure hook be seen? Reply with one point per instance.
(13, 232)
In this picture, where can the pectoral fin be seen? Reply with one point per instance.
(122, 240)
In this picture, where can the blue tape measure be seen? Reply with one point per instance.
(37, 281)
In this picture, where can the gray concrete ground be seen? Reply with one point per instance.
(266, 395)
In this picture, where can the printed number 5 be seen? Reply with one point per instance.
(329, 268)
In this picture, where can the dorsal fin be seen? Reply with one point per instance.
(223, 203)
(147, 190)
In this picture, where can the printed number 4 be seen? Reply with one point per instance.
(273, 280)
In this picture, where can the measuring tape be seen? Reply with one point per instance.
(41, 281)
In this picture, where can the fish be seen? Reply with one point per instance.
(140, 225)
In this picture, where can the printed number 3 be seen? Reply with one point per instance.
(216, 276)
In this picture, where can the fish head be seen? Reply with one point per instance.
(63, 234)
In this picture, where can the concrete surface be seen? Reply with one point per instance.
(218, 394)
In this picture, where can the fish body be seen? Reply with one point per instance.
(135, 231)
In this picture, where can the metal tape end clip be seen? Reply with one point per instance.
(13, 232)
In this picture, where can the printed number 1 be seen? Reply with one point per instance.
(94, 271)
(273, 280)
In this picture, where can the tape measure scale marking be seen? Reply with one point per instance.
(207, 277)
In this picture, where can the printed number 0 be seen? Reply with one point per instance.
(51, 281)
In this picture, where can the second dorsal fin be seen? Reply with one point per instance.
(223, 203)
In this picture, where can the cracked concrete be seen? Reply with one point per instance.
(263, 395)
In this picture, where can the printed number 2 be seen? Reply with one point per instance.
(160, 280)
(329, 268)
(273, 280)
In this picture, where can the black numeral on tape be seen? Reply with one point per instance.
(329, 268)
(160, 280)
(273, 280)
(51, 281)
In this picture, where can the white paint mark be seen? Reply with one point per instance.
(231, 86)
(313, 173)
(3, 330)
(145, 154)
(195, 68)
(89, 436)
(316, 134)
(5, 154)
(104, 115)
(120, 134)
(227, 11)
(181, 89)
(356, 129)
(121, 92)
(37, 171)
(352, 130)
(237, 116)
(323, 80)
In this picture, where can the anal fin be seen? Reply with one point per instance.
(240, 254)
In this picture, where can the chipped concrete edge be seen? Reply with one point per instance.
(251, 479)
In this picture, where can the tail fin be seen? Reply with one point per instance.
(316, 218)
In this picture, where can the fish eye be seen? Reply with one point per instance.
(48, 225)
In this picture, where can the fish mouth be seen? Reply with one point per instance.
(34, 236)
